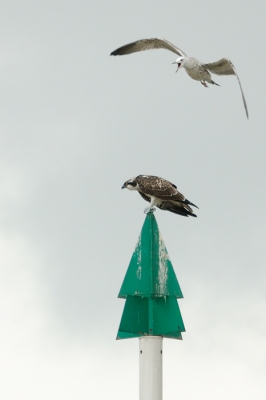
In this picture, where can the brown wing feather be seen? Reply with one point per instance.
(145, 197)
(176, 209)
(147, 44)
(158, 187)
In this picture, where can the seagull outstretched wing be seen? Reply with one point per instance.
(226, 67)
(147, 44)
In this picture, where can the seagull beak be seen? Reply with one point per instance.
(178, 65)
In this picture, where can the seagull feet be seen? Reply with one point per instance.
(149, 210)
(204, 83)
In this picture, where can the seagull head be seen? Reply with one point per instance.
(180, 62)
(131, 184)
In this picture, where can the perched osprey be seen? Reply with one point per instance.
(160, 193)
(195, 69)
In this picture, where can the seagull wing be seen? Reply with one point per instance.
(147, 44)
(226, 67)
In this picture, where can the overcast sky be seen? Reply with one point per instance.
(75, 125)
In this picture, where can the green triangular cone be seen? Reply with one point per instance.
(150, 272)
(151, 289)
(157, 317)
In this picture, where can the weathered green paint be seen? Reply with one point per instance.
(151, 289)
(159, 316)
(150, 271)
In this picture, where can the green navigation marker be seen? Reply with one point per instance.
(151, 289)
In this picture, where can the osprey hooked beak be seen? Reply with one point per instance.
(124, 186)
(178, 65)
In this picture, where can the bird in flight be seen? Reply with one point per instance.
(160, 193)
(195, 69)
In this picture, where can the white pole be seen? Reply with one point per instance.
(150, 368)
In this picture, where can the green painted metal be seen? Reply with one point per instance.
(151, 289)
(150, 271)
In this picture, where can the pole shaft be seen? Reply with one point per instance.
(150, 368)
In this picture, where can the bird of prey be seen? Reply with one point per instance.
(195, 69)
(160, 193)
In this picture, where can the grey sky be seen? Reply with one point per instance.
(75, 125)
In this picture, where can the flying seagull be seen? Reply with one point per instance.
(195, 69)
(160, 193)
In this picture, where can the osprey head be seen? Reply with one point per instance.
(131, 184)
(180, 62)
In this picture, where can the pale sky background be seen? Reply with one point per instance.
(75, 125)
